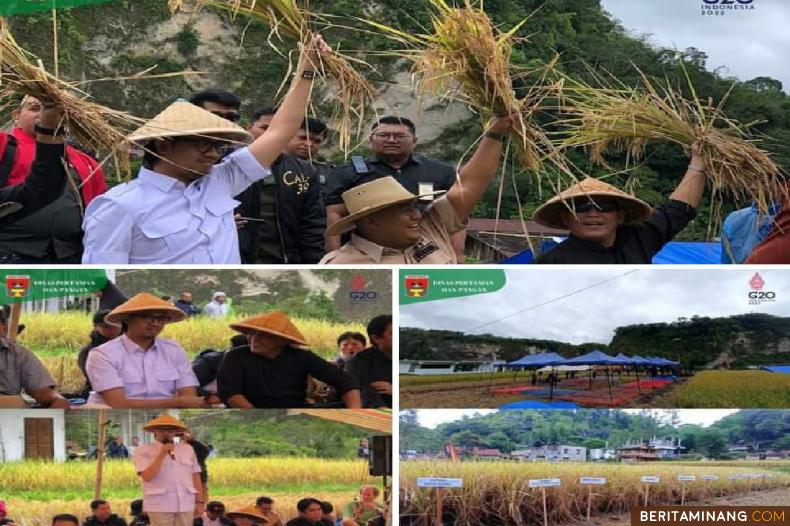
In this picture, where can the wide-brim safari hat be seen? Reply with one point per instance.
(276, 323)
(369, 198)
(552, 212)
(248, 512)
(144, 302)
(165, 421)
(182, 119)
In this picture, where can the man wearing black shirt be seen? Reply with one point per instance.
(310, 514)
(609, 226)
(272, 372)
(372, 368)
(102, 515)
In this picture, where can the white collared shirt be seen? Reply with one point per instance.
(158, 219)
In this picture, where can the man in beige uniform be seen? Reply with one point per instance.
(389, 228)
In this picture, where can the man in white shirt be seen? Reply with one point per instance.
(217, 308)
(180, 207)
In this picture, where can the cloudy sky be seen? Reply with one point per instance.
(611, 298)
(433, 417)
(747, 43)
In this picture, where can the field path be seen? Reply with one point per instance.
(757, 498)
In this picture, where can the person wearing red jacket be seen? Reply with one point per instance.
(52, 234)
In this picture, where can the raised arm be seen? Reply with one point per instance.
(288, 118)
(475, 177)
(692, 186)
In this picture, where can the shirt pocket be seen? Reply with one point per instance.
(165, 233)
(167, 376)
(220, 209)
(133, 380)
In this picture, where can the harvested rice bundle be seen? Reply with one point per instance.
(285, 19)
(625, 119)
(92, 125)
(465, 52)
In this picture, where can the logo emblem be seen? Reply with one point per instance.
(416, 286)
(17, 286)
(757, 282)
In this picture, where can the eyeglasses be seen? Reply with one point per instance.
(204, 145)
(232, 116)
(160, 318)
(400, 137)
(601, 206)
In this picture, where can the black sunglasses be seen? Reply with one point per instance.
(205, 145)
(232, 116)
(601, 206)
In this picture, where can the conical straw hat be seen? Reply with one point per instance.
(250, 512)
(369, 198)
(165, 421)
(276, 323)
(182, 119)
(141, 303)
(552, 212)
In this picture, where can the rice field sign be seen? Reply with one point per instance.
(590, 482)
(687, 478)
(429, 285)
(684, 479)
(710, 477)
(647, 480)
(440, 484)
(543, 484)
(736, 477)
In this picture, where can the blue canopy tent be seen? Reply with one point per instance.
(776, 368)
(532, 361)
(592, 359)
(632, 362)
(674, 252)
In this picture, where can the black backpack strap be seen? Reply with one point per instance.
(8, 160)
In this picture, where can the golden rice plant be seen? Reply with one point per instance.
(613, 117)
(464, 55)
(498, 492)
(352, 92)
(735, 389)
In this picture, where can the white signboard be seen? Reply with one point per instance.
(424, 482)
(650, 480)
(544, 483)
(710, 477)
(754, 475)
(687, 478)
(736, 477)
(592, 480)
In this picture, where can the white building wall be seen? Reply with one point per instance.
(12, 432)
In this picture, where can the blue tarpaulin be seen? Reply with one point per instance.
(535, 404)
(777, 368)
(676, 252)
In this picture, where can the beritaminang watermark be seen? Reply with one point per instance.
(723, 7)
(710, 515)
(693, 516)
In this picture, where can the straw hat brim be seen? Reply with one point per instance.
(246, 328)
(553, 212)
(245, 514)
(219, 133)
(117, 316)
(158, 422)
(348, 223)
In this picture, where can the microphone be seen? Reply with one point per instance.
(171, 452)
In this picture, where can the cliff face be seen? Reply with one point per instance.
(732, 342)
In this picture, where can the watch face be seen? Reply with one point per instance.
(425, 188)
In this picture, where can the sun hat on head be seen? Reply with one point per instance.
(182, 119)
(371, 197)
(275, 323)
(218, 294)
(247, 512)
(165, 421)
(144, 302)
(552, 212)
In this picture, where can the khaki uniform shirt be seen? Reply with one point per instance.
(20, 369)
(435, 247)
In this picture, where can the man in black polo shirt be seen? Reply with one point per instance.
(272, 371)
(372, 368)
(392, 141)
(610, 226)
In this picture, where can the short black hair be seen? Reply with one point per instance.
(96, 503)
(214, 505)
(314, 126)
(263, 112)
(217, 96)
(65, 517)
(136, 506)
(350, 335)
(378, 325)
(98, 317)
(327, 507)
(4, 312)
(264, 500)
(303, 504)
(391, 119)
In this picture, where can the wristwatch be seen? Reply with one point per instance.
(309, 74)
(495, 136)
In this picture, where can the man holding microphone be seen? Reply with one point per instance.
(170, 474)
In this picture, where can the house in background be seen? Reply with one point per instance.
(32, 434)
(552, 453)
(427, 367)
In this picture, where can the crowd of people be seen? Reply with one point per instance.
(213, 192)
(127, 364)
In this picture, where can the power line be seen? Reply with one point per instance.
(558, 298)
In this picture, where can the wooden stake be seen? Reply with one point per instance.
(647, 493)
(13, 322)
(99, 457)
(589, 502)
(439, 506)
(683, 494)
(545, 513)
(55, 41)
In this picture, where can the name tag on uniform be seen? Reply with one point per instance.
(425, 188)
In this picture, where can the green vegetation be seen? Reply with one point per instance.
(732, 389)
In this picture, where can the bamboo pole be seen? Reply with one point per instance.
(99, 456)
(13, 321)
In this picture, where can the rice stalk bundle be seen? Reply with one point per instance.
(466, 55)
(92, 125)
(352, 92)
(619, 118)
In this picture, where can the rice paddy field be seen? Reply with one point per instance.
(57, 339)
(35, 491)
(706, 389)
(497, 493)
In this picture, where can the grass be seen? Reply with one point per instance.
(498, 493)
(57, 338)
(731, 389)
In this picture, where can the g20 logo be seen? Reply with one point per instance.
(727, 2)
(760, 295)
(362, 295)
